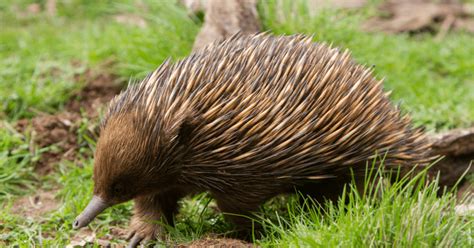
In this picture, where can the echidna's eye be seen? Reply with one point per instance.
(118, 189)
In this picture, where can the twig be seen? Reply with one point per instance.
(445, 26)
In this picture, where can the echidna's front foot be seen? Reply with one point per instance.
(143, 232)
(151, 212)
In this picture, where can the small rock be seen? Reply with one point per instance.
(464, 209)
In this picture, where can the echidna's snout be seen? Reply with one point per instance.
(95, 207)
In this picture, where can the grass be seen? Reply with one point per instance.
(41, 56)
(36, 74)
(404, 214)
(15, 158)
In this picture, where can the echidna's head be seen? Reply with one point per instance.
(123, 161)
(128, 163)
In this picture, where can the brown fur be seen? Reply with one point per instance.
(246, 120)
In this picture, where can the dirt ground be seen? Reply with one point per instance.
(217, 243)
(37, 205)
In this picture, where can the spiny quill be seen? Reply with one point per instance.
(246, 119)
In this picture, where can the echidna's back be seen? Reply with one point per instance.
(285, 106)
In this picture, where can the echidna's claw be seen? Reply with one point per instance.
(135, 241)
(130, 235)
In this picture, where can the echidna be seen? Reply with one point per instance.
(246, 119)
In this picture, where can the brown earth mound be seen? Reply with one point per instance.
(218, 243)
(58, 133)
(47, 130)
(100, 88)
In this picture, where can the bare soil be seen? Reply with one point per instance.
(100, 88)
(35, 206)
(217, 243)
(87, 238)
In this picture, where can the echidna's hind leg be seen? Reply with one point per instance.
(325, 190)
(150, 211)
(241, 213)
